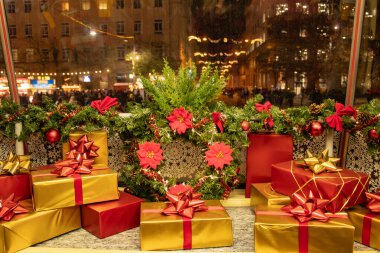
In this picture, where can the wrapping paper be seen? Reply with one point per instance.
(100, 139)
(27, 229)
(367, 226)
(212, 228)
(263, 151)
(275, 232)
(112, 217)
(262, 194)
(345, 188)
(51, 192)
(17, 184)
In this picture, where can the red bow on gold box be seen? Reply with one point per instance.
(374, 202)
(9, 208)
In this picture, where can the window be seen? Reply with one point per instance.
(323, 8)
(65, 6)
(45, 55)
(158, 51)
(158, 26)
(119, 4)
(281, 9)
(66, 54)
(27, 6)
(28, 30)
(11, 6)
(103, 52)
(157, 3)
(104, 28)
(15, 55)
(136, 4)
(43, 5)
(12, 31)
(137, 27)
(86, 5)
(103, 5)
(29, 54)
(120, 53)
(65, 30)
(303, 32)
(302, 8)
(44, 31)
(120, 28)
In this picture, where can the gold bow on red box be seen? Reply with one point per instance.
(320, 163)
(15, 164)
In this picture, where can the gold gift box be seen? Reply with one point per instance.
(356, 215)
(262, 194)
(27, 229)
(280, 233)
(212, 228)
(51, 192)
(99, 138)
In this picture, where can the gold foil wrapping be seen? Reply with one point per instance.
(27, 229)
(276, 233)
(100, 139)
(356, 215)
(51, 191)
(212, 228)
(262, 194)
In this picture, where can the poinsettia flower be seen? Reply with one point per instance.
(218, 155)
(180, 120)
(150, 155)
(179, 188)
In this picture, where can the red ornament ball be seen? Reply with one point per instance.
(316, 128)
(373, 135)
(53, 136)
(245, 125)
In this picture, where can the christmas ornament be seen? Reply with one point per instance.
(364, 118)
(373, 135)
(316, 109)
(315, 128)
(53, 136)
(245, 125)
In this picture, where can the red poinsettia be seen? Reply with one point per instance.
(218, 155)
(150, 155)
(180, 120)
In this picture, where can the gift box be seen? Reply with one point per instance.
(278, 231)
(18, 184)
(51, 191)
(211, 228)
(262, 152)
(345, 188)
(262, 194)
(99, 138)
(24, 230)
(112, 217)
(367, 226)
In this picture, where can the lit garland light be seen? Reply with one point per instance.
(237, 53)
(224, 40)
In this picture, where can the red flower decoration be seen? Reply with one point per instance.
(180, 120)
(218, 120)
(150, 155)
(102, 106)
(218, 155)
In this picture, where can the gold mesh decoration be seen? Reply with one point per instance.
(182, 160)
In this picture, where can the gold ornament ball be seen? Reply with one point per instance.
(245, 125)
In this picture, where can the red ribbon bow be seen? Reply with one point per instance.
(104, 105)
(266, 108)
(78, 159)
(374, 202)
(218, 120)
(184, 202)
(306, 209)
(9, 208)
(335, 121)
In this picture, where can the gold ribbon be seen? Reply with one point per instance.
(321, 163)
(15, 164)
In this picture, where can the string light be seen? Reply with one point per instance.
(224, 40)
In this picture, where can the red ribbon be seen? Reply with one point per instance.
(9, 208)
(78, 189)
(266, 108)
(366, 231)
(102, 106)
(335, 121)
(218, 120)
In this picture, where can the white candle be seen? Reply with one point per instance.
(330, 141)
(19, 144)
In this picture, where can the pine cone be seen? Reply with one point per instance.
(316, 109)
(364, 118)
(62, 109)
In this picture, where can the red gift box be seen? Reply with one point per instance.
(263, 151)
(112, 217)
(344, 189)
(18, 184)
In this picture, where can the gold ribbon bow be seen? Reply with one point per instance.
(15, 164)
(321, 163)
